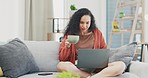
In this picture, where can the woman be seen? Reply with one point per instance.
(82, 23)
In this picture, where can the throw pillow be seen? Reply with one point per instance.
(124, 53)
(1, 72)
(2, 43)
(16, 59)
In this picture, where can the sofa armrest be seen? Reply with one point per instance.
(139, 68)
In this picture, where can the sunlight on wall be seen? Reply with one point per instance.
(7, 28)
(146, 17)
(146, 27)
(58, 10)
(9, 17)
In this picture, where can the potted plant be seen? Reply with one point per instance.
(72, 9)
(67, 75)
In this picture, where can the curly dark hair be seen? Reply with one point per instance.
(73, 25)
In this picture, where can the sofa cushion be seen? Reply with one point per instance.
(1, 72)
(2, 43)
(16, 59)
(35, 75)
(45, 54)
(124, 53)
(127, 75)
(139, 68)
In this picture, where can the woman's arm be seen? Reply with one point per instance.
(99, 40)
(64, 51)
(102, 41)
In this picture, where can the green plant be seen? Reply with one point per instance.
(121, 14)
(67, 75)
(72, 7)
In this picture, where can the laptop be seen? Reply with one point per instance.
(93, 58)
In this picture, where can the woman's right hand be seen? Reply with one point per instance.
(67, 43)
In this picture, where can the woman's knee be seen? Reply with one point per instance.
(63, 66)
(120, 67)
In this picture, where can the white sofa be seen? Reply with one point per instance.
(46, 57)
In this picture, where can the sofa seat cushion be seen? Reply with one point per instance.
(139, 68)
(35, 75)
(45, 54)
(127, 75)
(16, 59)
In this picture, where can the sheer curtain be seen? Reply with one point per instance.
(37, 24)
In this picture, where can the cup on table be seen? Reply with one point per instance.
(73, 39)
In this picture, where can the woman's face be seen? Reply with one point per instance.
(85, 23)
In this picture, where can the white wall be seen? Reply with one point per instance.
(146, 22)
(58, 10)
(12, 16)
(11, 19)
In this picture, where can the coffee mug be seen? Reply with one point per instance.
(73, 39)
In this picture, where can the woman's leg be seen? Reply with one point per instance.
(68, 66)
(113, 69)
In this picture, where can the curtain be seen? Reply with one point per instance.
(37, 14)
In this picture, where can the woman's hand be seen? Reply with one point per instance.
(67, 43)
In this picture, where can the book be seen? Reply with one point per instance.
(115, 26)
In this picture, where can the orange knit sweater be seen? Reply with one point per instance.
(70, 54)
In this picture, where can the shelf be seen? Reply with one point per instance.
(58, 24)
(129, 17)
(127, 30)
(54, 36)
(144, 42)
(128, 3)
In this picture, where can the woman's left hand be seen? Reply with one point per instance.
(67, 43)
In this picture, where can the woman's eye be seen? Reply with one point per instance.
(82, 22)
(87, 23)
